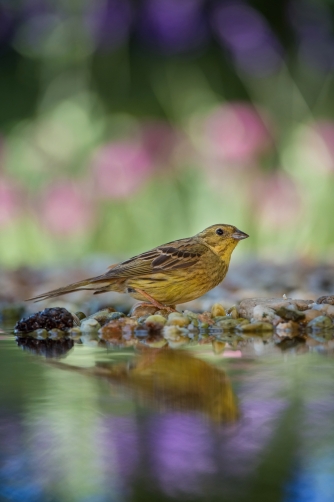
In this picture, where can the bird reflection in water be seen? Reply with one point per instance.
(171, 380)
(176, 380)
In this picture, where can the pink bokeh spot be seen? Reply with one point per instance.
(121, 168)
(236, 133)
(277, 200)
(65, 210)
(159, 140)
(9, 202)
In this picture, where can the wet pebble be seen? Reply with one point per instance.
(139, 310)
(80, 315)
(177, 319)
(324, 308)
(41, 334)
(326, 299)
(227, 324)
(255, 327)
(90, 325)
(115, 315)
(74, 333)
(90, 339)
(141, 332)
(233, 312)
(290, 313)
(309, 315)
(320, 322)
(217, 310)
(191, 315)
(289, 328)
(173, 332)
(106, 315)
(56, 334)
(155, 321)
(111, 331)
(264, 313)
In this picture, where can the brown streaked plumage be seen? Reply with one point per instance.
(173, 273)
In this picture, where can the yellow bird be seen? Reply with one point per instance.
(176, 272)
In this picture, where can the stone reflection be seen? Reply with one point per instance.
(46, 348)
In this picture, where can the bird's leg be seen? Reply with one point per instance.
(154, 302)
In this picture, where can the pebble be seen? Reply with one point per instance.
(246, 307)
(255, 327)
(80, 315)
(233, 312)
(176, 319)
(309, 315)
(56, 334)
(114, 316)
(155, 320)
(90, 339)
(320, 322)
(105, 315)
(264, 313)
(227, 324)
(217, 310)
(74, 333)
(326, 299)
(141, 332)
(111, 332)
(290, 313)
(290, 327)
(324, 308)
(90, 325)
(139, 310)
(173, 332)
(191, 315)
(41, 334)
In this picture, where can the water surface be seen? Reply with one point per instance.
(67, 436)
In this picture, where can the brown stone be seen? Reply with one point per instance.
(326, 299)
(142, 310)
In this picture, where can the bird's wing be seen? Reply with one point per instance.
(166, 258)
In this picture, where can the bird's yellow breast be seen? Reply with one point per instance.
(182, 285)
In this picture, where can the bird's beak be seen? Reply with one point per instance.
(238, 235)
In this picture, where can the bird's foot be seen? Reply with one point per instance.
(154, 302)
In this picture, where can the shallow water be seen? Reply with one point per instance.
(68, 436)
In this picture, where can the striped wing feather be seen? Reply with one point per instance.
(169, 257)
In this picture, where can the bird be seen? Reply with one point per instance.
(170, 274)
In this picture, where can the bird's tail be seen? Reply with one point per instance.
(98, 284)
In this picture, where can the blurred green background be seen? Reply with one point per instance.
(128, 124)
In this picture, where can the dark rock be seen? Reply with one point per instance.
(48, 319)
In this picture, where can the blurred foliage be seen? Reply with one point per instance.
(128, 124)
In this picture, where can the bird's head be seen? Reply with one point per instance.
(222, 239)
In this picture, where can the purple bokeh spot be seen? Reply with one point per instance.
(173, 25)
(250, 40)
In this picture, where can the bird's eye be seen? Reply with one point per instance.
(219, 231)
